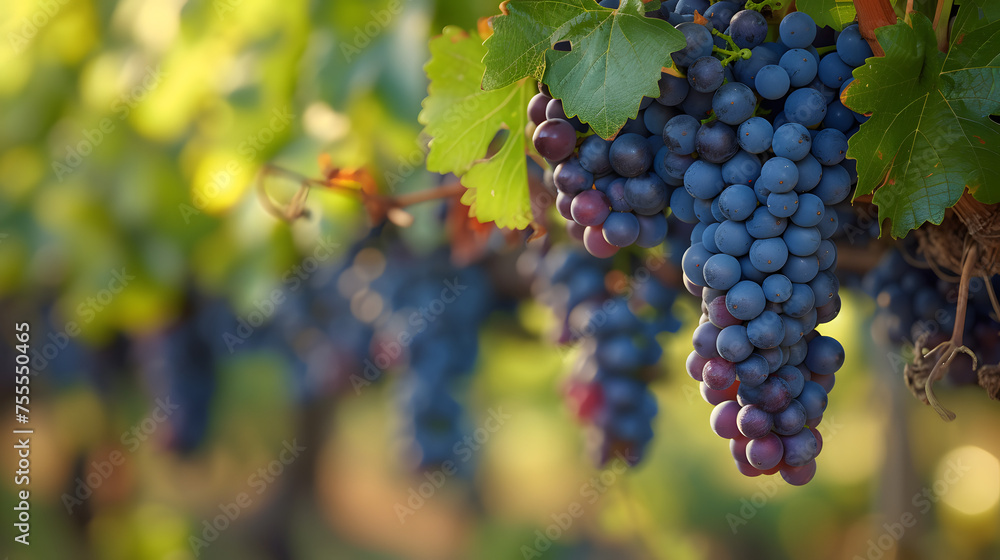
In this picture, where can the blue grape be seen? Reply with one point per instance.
(723, 419)
(616, 195)
(704, 340)
(733, 345)
(852, 47)
(772, 82)
(791, 420)
(748, 29)
(554, 110)
(782, 205)
(810, 212)
(778, 175)
(737, 202)
(646, 194)
(775, 358)
(829, 146)
(682, 206)
(777, 287)
(766, 330)
(652, 230)
(745, 301)
(772, 395)
(801, 269)
(630, 155)
(673, 90)
(733, 239)
(621, 229)
(797, 30)
(810, 172)
(813, 399)
(805, 106)
(834, 186)
(656, 116)
(768, 255)
(800, 302)
(833, 71)
(571, 178)
(799, 476)
(679, 134)
(564, 203)
(825, 287)
(792, 377)
(742, 169)
(698, 43)
(734, 103)
(716, 142)
(717, 214)
(673, 164)
(708, 238)
(801, 67)
(722, 271)
(799, 448)
(827, 255)
(752, 371)
(721, 13)
(705, 74)
(838, 117)
(703, 210)
(801, 241)
(763, 225)
(690, 6)
(704, 180)
(754, 135)
(594, 155)
(750, 272)
(792, 141)
(536, 108)
(794, 331)
(746, 70)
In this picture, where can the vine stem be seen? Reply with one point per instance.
(873, 14)
(951, 347)
(941, 23)
(379, 205)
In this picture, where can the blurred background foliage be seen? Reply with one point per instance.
(130, 135)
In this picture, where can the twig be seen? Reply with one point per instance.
(444, 191)
(873, 14)
(950, 348)
(941, 18)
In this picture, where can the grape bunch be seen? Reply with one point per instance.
(429, 329)
(609, 385)
(767, 165)
(750, 146)
(609, 192)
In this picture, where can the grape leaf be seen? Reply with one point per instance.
(973, 14)
(462, 120)
(616, 57)
(930, 136)
(829, 13)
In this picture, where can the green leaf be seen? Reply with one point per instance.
(831, 13)
(973, 14)
(616, 57)
(462, 120)
(930, 136)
